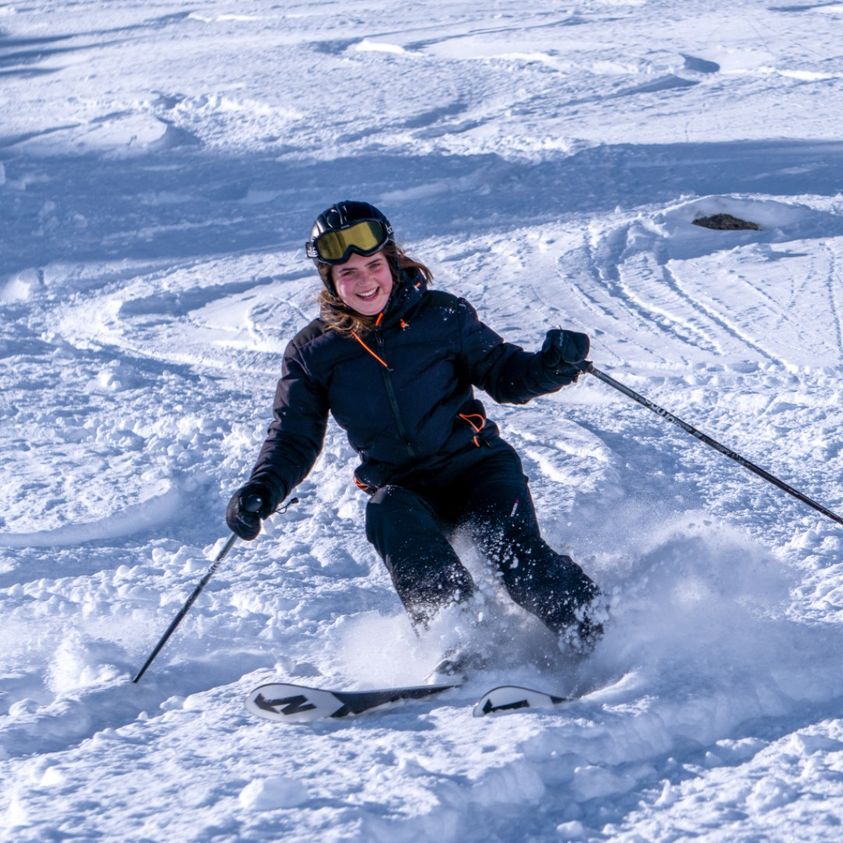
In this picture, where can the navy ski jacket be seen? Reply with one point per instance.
(403, 393)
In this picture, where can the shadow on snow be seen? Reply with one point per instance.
(181, 203)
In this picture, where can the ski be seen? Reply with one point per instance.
(508, 698)
(286, 703)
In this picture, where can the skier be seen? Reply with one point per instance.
(394, 362)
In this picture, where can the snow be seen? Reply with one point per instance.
(160, 165)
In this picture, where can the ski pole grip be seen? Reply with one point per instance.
(585, 366)
(252, 503)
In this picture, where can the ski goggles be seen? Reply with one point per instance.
(364, 237)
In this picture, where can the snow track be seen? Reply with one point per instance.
(158, 171)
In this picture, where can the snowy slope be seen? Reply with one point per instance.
(160, 164)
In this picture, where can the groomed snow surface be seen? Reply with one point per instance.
(160, 164)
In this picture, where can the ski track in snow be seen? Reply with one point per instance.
(158, 171)
(834, 295)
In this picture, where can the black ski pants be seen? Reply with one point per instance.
(409, 525)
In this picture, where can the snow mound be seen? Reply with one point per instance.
(272, 793)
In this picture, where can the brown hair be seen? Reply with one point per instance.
(338, 316)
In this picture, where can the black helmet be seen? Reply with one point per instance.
(348, 227)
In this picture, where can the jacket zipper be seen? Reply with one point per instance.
(393, 401)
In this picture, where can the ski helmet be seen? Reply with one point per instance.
(348, 227)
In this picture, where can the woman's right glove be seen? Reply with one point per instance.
(246, 509)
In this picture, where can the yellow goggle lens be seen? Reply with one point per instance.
(365, 236)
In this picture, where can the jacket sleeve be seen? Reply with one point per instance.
(297, 430)
(507, 372)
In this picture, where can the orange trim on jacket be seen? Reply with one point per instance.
(469, 419)
(375, 355)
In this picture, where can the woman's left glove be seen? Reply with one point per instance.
(562, 350)
(246, 509)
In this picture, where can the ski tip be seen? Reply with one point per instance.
(292, 703)
(510, 698)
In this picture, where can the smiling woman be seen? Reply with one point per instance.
(364, 283)
(431, 460)
(341, 239)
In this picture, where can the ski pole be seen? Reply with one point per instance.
(589, 367)
(188, 603)
(251, 504)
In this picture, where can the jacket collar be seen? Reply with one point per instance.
(406, 294)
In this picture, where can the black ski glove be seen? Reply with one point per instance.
(562, 350)
(246, 509)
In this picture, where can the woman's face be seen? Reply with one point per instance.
(364, 283)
